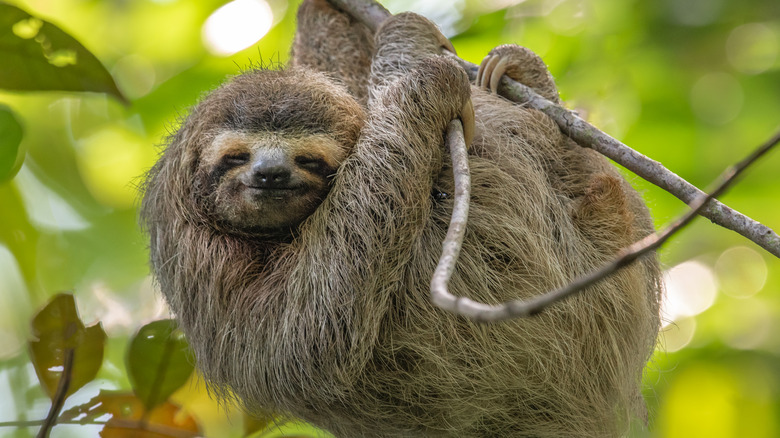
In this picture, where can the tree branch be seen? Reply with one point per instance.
(587, 135)
(456, 144)
(371, 13)
(521, 308)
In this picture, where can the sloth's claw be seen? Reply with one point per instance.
(490, 71)
(497, 73)
(481, 71)
(485, 71)
(446, 44)
(468, 120)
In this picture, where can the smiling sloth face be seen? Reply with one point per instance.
(268, 182)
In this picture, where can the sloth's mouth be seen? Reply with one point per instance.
(274, 189)
(277, 193)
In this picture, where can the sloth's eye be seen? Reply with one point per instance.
(310, 163)
(234, 160)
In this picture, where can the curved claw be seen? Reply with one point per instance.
(446, 44)
(498, 71)
(486, 67)
(481, 71)
(468, 120)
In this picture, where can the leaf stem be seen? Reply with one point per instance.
(59, 397)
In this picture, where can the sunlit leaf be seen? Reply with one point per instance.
(38, 55)
(56, 329)
(10, 139)
(129, 417)
(158, 361)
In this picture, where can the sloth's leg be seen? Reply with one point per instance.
(332, 42)
(520, 64)
(402, 42)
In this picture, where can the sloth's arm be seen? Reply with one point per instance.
(363, 233)
(353, 250)
(402, 42)
(351, 253)
(331, 41)
(383, 191)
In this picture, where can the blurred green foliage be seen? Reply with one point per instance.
(693, 84)
(46, 58)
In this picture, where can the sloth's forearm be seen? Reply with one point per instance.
(381, 197)
(385, 186)
(332, 42)
(355, 248)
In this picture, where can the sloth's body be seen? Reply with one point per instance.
(320, 309)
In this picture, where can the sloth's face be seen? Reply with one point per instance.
(269, 182)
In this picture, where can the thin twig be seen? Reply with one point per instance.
(521, 308)
(456, 144)
(371, 13)
(59, 396)
(589, 136)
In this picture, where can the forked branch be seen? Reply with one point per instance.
(371, 13)
(521, 308)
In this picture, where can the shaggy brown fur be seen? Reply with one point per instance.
(333, 323)
(332, 42)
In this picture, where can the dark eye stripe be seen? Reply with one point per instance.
(233, 160)
(225, 163)
(307, 159)
(309, 162)
(314, 164)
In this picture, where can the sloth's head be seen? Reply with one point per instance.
(266, 180)
(260, 152)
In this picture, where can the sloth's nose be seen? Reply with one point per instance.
(271, 174)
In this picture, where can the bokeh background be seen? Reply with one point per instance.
(693, 84)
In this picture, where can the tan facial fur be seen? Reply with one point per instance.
(235, 159)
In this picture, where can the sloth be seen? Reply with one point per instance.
(296, 217)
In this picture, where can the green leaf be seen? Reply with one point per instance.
(10, 139)
(57, 329)
(158, 362)
(38, 55)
